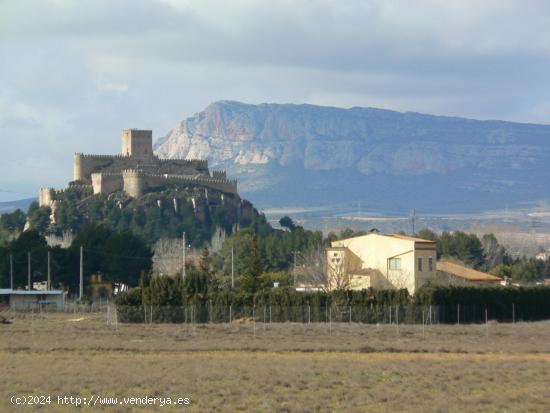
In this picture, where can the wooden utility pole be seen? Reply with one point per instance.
(49, 285)
(232, 267)
(183, 258)
(81, 288)
(29, 271)
(294, 271)
(11, 271)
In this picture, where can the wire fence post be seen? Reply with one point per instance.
(330, 321)
(397, 316)
(350, 314)
(265, 310)
(230, 315)
(423, 325)
(308, 314)
(269, 313)
(254, 319)
(458, 314)
(486, 324)
(513, 313)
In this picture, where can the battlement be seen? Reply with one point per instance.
(132, 171)
(191, 162)
(219, 174)
(106, 174)
(93, 156)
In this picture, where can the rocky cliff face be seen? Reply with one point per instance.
(305, 154)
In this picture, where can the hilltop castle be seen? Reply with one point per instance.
(137, 170)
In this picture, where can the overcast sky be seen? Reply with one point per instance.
(74, 73)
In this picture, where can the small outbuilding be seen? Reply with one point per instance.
(456, 274)
(33, 299)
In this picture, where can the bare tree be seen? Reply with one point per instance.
(316, 270)
(167, 256)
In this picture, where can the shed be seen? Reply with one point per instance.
(461, 274)
(26, 300)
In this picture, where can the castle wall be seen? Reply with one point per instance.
(85, 165)
(106, 183)
(182, 166)
(223, 185)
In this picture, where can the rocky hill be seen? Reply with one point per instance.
(204, 214)
(284, 154)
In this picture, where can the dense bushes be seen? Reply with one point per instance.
(470, 303)
(170, 300)
(168, 296)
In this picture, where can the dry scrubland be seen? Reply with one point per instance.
(282, 368)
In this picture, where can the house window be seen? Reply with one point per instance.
(430, 264)
(395, 263)
(420, 264)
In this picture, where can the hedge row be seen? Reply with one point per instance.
(167, 302)
(470, 304)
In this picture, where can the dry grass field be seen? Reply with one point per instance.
(278, 367)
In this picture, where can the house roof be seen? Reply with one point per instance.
(398, 236)
(468, 274)
(8, 291)
(406, 237)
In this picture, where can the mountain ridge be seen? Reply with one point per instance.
(302, 154)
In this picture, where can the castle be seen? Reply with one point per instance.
(136, 171)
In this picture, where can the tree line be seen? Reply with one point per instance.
(119, 256)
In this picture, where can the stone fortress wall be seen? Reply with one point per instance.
(137, 169)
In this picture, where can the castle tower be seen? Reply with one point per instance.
(134, 184)
(137, 143)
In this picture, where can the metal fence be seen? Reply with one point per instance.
(211, 313)
(394, 314)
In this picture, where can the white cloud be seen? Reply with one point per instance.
(111, 86)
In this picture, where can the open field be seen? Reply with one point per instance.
(278, 367)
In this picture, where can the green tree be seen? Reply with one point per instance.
(252, 281)
(128, 257)
(39, 218)
(241, 245)
(493, 253)
(34, 243)
(287, 222)
(527, 270)
(196, 283)
(14, 221)
(121, 256)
